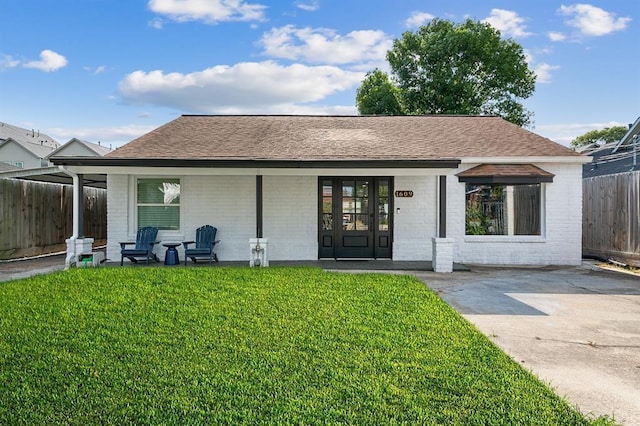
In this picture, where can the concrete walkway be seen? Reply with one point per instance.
(577, 328)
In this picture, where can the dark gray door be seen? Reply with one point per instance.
(355, 217)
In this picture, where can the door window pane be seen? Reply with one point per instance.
(327, 205)
(383, 205)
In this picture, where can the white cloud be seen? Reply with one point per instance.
(156, 23)
(208, 11)
(593, 21)
(325, 46)
(7, 61)
(97, 70)
(263, 86)
(564, 133)
(49, 61)
(310, 6)
(543, 72)
(556, 36)
(508, 22)
(292, 109)
(418, 19)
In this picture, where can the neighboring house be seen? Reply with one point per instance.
(470, 189)
(80, 148)
(25, 148)
(5, 167)
(615, 157)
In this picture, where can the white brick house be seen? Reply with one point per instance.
(483, 189)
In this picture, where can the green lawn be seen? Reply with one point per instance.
(151, 345)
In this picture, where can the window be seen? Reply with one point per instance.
(493, 209)
(158, 203)
(19, 164)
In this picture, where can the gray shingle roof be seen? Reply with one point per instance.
(338, 138)
(26, 136)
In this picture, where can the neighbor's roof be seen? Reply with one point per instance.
(39, 151)
(4, 167)
(216, 137)
(26, 136)
(99, 150)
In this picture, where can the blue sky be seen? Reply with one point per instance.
(111, 70)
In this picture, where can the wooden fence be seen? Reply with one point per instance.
(36, 218)
(611, 217)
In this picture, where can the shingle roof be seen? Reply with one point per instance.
(4, 167)
(26, 136)
(605, 162)
(96, 148)
(500, 173)
(510, 170)
(338, 138)
(40, 151)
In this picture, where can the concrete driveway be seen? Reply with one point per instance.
(577, 328)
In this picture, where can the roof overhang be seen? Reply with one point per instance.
(505, 174)
(448, 163)
(53, 174)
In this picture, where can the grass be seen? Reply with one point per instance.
(252, 346)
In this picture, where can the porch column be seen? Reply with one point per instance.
(78, 207)
(258, 206)
(442, 247)
(258, 253)
(77, 244)
(442, 205)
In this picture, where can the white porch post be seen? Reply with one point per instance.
(77, 244)
(442, 247)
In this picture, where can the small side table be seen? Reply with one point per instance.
(171, 256)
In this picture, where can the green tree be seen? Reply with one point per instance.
(466, 68)
(378, 95)
(606, 135)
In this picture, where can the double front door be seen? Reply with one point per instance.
(355, 217)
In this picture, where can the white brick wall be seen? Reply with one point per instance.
(416, 222)
(290, 216)
(226, 202)
(561, 242)
(117, 214)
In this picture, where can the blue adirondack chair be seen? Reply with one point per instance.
(145, 240)
(204, 244)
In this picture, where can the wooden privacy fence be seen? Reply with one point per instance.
(611, 217)
(36, 218)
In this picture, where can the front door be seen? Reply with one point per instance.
(355, 217)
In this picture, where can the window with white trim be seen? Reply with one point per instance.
(19, 164)
(493, 209)
(158, 203)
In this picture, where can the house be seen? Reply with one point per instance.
(80, 148)
(6, 167)
(469, 189)
(23, 148)
(615, 157)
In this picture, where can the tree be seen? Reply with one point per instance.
(606, 135)
(378, 95)
(466, 68)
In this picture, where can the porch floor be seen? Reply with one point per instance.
(329, 264)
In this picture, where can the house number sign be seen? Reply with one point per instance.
(407, 194)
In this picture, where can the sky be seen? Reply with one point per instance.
(109, 71)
